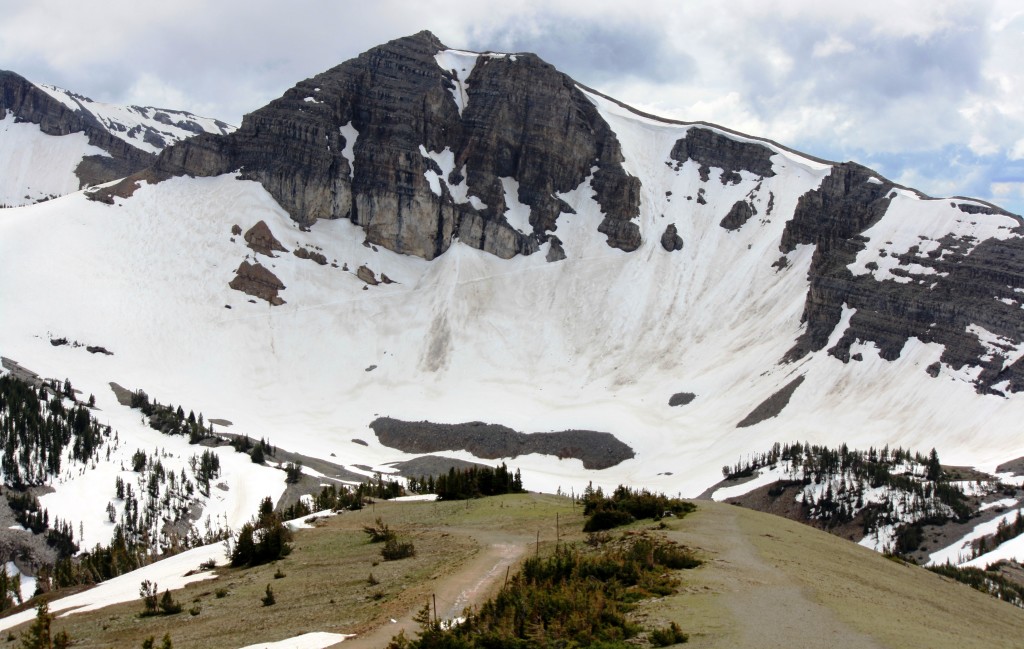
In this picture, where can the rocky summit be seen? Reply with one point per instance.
(396, 140)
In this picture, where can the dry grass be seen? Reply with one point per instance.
(768, 582)
(326, 585)
(772, 582)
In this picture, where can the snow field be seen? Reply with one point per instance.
(168, 574)
(305, 641)
(37, 166)
(959, 553)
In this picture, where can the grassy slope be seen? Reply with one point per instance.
(772, 582)
(769, 582)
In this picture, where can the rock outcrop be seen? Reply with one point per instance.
(739, 213)
(773, 405)
(312, 255)
(130, 135)
(262, 240)
(943, 294)
(831, 217)
(597, 450)
(681, 399)
(366, 274)
(363, 141)
(713, 149)
(258, 281)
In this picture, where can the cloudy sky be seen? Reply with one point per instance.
(927, 92)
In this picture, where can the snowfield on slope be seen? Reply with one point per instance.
(38, 166)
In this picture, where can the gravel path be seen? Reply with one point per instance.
(474, 582)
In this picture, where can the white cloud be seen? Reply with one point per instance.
(831, 46)
(1017, 152)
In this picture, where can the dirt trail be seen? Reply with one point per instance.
(471, 585)
(758, 605)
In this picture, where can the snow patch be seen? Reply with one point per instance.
(910, 222)
(316, 640)
(168, 573)
(1005, 502)
(132, 123)
(997, 346)
(517, 214)
(460, 63)
(763, 478)
(446, 162)
(349, 132)
(959, 553)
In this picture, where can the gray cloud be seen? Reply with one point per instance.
(593, 51)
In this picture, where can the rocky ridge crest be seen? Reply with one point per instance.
(362, 141)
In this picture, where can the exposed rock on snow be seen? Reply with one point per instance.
(555, 250)
(671, 240)
(367, 275)
(318, 257)
(739, 214)
(934, 288)
(713, 149)
(773, 405)
(681, 399)
(257, 281)
(127, 137)
(492, 441)
(262, 240)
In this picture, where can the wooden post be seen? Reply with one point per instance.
(435, 608)
(538, 543)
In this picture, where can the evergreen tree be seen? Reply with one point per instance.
(37, 635)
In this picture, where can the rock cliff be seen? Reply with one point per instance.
(961, 293)
(419, 144)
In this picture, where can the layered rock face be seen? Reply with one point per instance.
(962, 294)
(418, 144)
(713, 149)
(28, 103)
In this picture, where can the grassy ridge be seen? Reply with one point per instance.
(766, 582)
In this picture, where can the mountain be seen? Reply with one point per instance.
(54, 142)
(477, 241)
(404, 144)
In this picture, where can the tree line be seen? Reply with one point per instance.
(469, 482)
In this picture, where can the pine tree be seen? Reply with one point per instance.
(934, 468)
(37, 636)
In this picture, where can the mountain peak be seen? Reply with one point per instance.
(426, 37)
